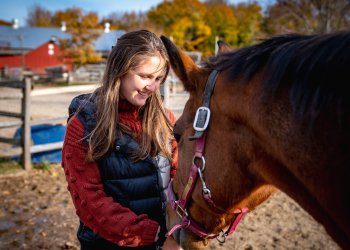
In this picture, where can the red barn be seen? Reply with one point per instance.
(38, 60)
(32, 48)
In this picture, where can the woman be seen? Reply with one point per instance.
(119, 153)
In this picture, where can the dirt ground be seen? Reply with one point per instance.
(37, 213)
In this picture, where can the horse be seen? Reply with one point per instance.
(266, 117)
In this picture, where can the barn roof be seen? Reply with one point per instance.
(28, 38)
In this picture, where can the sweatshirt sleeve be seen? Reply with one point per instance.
(98, 211)
(174, 146)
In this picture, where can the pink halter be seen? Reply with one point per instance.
(200, 125)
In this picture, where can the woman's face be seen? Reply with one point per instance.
(138, 84)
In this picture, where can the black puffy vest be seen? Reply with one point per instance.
(139, 185)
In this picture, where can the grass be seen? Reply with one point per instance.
(8, 166)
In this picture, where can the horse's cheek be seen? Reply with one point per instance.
(170, 217)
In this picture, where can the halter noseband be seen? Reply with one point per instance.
(200, 125)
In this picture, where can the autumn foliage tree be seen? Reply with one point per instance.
(249, 16)
(195, 24)
(127, 21)
(184, 21)
(84, 29)
(237, 25)
(307, 16)
(222, 21)
(39, 16)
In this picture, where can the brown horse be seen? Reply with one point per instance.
(279, 118)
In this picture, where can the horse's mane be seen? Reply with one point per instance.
(316, 68)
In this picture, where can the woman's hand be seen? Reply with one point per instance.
(170, 244)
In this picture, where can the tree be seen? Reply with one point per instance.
(307, 16)
(128, 21)
(194, 25)
(249, 18)
(183, 20)
(221, 19)
(83, 29)
(39, 16)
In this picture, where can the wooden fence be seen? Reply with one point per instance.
(25, 148)
(24, 117)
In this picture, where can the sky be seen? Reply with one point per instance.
(10, 9)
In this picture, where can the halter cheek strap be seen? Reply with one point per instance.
(200, 125)
(202, 117)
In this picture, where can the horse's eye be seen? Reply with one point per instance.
(177, 137)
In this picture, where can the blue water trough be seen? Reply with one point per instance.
(44, 134)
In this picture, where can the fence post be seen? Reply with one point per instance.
(26, 133)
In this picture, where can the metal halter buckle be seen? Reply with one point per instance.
(201, 120)
(180, 211)
(221, 238)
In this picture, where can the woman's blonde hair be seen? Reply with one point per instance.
(131, 49)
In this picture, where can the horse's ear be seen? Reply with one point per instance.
(223, 47)
(181, 63)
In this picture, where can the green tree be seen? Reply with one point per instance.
(84, 30)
